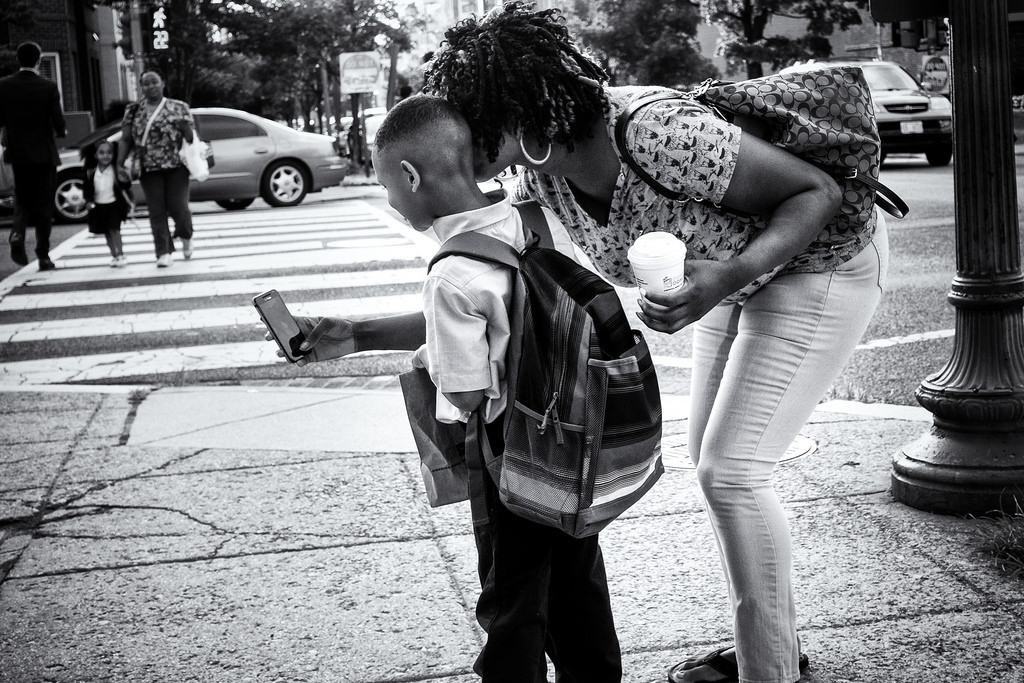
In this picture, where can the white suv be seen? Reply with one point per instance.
(910, 119)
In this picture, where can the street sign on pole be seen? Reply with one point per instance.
(935, 70)
(359, 72)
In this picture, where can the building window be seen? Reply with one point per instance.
(49, 67)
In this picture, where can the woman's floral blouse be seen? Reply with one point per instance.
(164, 140)
(690, 150)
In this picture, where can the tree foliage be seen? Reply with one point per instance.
(649, 42)
(743, 23)
(292, 44)
(266, 56)
(20, 13)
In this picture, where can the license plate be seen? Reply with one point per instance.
(908, 127)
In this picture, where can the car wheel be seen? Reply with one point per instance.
(939, 156)
(69, 198)
(284, 184)
(235, 204)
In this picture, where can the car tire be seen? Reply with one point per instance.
(284, 183)
(940, 156)
(69, 197)
(235, 204)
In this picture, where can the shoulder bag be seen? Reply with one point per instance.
(825, 117)
(195, 156)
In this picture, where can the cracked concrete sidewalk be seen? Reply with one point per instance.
(281, 534)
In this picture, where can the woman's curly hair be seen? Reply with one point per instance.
(518, 69)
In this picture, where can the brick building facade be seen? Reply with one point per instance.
(79, 42)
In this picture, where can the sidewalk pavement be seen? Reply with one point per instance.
(275, 533)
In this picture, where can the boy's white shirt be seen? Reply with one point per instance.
(491, 287)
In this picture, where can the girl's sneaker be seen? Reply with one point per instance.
(117, 262)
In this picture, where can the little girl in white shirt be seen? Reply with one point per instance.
(108, 200)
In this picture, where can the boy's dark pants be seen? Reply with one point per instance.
(541, 591)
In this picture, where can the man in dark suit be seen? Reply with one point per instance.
(30, 113)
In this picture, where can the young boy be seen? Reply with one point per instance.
(541, 590)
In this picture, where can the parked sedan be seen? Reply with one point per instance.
(253, 157)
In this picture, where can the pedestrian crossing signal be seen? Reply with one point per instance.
(157, 36)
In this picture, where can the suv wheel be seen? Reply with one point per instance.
(69, 197)
(284, 184)
(939, 156)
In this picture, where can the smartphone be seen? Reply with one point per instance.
(279, 321)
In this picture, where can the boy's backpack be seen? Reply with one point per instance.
(582, 425)
(823, 116)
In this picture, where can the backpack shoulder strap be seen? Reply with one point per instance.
(535, 224)
(486, 248)
(480, 247)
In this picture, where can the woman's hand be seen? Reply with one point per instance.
(707, 283)
(326, 339)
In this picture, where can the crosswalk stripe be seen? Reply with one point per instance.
(195, 289)
(204, 240)
(109, 366)
(218, 252)
(198, 319)
(261, 260)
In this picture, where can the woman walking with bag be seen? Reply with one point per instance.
(151, 135)
(778, 302)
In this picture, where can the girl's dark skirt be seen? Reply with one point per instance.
(104, 218)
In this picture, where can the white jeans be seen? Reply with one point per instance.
(759, 370)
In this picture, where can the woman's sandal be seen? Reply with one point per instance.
(722, 665)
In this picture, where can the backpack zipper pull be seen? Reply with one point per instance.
(551, 412)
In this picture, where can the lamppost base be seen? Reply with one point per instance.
(962, 473)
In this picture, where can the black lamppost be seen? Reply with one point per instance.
(971, 461)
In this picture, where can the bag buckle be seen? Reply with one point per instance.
(700, 90)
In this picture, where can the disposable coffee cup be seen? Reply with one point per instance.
(658, 262)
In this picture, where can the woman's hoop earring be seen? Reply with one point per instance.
(535, 162)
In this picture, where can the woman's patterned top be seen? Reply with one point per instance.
(689, 149)
(164, 140)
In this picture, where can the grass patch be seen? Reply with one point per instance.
(1002, 538)
(843, 390)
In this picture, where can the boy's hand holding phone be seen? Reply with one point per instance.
(282, 326)
(326, 339)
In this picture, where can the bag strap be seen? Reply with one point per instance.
(885, 198)
(149, 123)
(486, 248)
(587, 289)
(622, 122)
